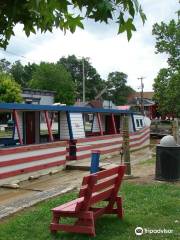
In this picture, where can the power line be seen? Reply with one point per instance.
(11, 53)
(20, 56)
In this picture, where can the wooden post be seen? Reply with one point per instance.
(175, 130)
(156, 126)
(113, 123)
(178, 130)
(17, 126)
(126, 147)
(100, 123)
(48, 126)
(52, 118)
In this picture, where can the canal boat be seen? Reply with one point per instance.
(43, 138)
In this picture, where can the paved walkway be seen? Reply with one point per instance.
(34, 191)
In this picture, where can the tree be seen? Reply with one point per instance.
(5, 65)
(54, 77)
(93, 82)
(22, 74)
(167, 83)
(44, 15)
(10, 91)
(118, 91)
(161, 83)
(168, 41)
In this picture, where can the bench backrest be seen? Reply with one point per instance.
(100, 186)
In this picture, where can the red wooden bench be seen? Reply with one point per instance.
(101, 186)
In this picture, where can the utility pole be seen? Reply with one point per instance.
(142, 94)
(83, 72)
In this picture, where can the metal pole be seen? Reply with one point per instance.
(142, 95)
(84, 93)
(95, 155)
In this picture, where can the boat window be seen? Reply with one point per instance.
(141, 122)
(55, 124)
(6, 127)
(53, 118)
(88, 121)
(137, 122)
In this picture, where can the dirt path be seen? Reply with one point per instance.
(143, 173)
(32, 192)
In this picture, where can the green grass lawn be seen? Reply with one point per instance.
(155, 206)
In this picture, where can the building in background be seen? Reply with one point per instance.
(30, 96)
(36, 96)
(146, 103)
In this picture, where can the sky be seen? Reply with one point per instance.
(107, 51)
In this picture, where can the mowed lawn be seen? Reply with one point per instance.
(155, 206)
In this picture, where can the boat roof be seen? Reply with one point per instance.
(34, 107)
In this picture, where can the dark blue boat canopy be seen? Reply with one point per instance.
(59, 108)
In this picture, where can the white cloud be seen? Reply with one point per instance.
(107, 51)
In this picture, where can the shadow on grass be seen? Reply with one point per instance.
(107, 228)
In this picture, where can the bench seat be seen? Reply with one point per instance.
(68, 207)
(98, 187)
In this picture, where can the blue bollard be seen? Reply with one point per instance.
(95, 155)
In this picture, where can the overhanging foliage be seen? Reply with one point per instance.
(44, 15)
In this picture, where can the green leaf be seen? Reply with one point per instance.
(143, 16)
(45, 14)
(136, 3)
(37, 3)
(127, 26)
(27, 30)
(121, 28)
(131, 8)
(129, 34)
(73, 22)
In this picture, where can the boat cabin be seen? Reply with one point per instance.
(32, 124)
(38, 139)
